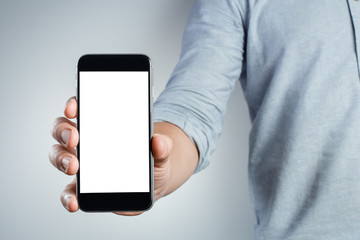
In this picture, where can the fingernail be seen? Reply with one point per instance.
(65, 163)
(67, 201)
(65, 136)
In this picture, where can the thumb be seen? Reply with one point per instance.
(161, 146)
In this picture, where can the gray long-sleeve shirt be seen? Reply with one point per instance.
(298, 65)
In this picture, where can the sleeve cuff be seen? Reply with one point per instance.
(196, 135)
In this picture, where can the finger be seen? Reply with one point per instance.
(71, 108)
(68, 197)
(64, 159)
(128, 213)
(161, 146)
(65, 132)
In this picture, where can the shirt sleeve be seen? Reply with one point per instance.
(210, 63)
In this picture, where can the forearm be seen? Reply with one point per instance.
(183, 156)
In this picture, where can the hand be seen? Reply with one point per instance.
(63, 157)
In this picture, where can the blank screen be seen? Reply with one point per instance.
(114, 131)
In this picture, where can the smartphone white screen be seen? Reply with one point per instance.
(114, 131)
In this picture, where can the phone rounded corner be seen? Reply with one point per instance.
(84, 56)
(149, 206)
(83, 59)
(146, 58)
(86, 210)
(82, 209)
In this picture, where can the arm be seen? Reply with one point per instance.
(197, 93)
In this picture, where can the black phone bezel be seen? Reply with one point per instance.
(122, 201)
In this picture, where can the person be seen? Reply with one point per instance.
(298, 64)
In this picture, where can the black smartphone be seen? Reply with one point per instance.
(114, 94)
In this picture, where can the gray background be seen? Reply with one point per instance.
(40, 44)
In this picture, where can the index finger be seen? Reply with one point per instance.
(71, 108)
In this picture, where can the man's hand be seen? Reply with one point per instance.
(63, 157)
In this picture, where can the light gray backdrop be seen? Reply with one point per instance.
(40, 44)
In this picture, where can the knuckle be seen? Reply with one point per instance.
(56, 154)
(62, 196)
(52, 154)
(73, 98)
(59, 124)
(56, 124)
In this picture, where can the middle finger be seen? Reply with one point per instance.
(64, 159)
(65, 132)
